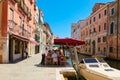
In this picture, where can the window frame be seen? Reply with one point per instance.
(112, 28)
(112, 11)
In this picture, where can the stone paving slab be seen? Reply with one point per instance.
(28, 69)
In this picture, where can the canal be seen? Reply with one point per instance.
(112, 63)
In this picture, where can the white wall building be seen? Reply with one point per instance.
(75, 29)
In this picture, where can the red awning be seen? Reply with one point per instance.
(68, 41)
(34, 42)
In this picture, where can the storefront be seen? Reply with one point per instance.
(34, 46)
(17, 45)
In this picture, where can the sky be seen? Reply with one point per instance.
(60, 14)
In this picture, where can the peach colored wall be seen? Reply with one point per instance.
(18, 14)
(0, 16)
(112, 38)
(87, 35)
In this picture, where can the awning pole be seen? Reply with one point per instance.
(79, 77)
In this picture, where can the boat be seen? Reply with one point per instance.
(97, 69)
(99, 56)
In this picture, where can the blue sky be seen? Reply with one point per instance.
(60, 14)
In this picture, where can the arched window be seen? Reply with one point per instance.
(112, 28)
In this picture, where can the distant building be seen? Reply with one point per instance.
(49, 35)
(75, 29)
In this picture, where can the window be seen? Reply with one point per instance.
(20, 25)
(104, 39)
(86, 32)
(86, 50)
(11, 14)
(17, 47)
(11, 22)
(99, 28)
(90, 21)
(89, 49)
(112, 11)
(74, 30)
(90, 31)
(86, 23)
(105, 12)
(94, 19)
(111, 28)
(105, 25)
(104, 49)
(99, 40)
(98, 49)
(94, 30)
(20, 21)
(90, 60)
(99, 16)
(110, 49)
(31, 1)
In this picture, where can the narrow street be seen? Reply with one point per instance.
(27, 69)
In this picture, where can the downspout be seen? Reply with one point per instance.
(117, 27)
(108, 20)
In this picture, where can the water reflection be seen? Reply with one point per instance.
(112, 63)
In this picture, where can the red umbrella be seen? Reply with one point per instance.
(68, 41)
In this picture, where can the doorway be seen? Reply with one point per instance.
(93, 47)
(10, 49)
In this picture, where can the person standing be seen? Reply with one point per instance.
(43, 56)
(55, 57)
(26, 51)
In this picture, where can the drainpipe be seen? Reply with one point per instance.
(117, 27)
(108, 20)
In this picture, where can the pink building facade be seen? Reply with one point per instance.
(96, 30)
(102, 30)
(17, 29)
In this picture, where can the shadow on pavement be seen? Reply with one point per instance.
(53, 66)
(18, 60)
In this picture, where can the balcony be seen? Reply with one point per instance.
(25, 10)
(13, 1)
(29, 15)
(37, 38)
(11, 24)
(31, 1)
(35, 7)
(23, 7)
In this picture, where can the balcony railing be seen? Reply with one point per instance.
(35, 7)
(23, 7)
(24, 32)
(11, 24)
(31, 1)
(25, 10)
(29, 16)
(13, 1)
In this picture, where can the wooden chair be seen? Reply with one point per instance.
(62, 60)
(48, 60)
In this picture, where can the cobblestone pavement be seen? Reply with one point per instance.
(28, 69)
